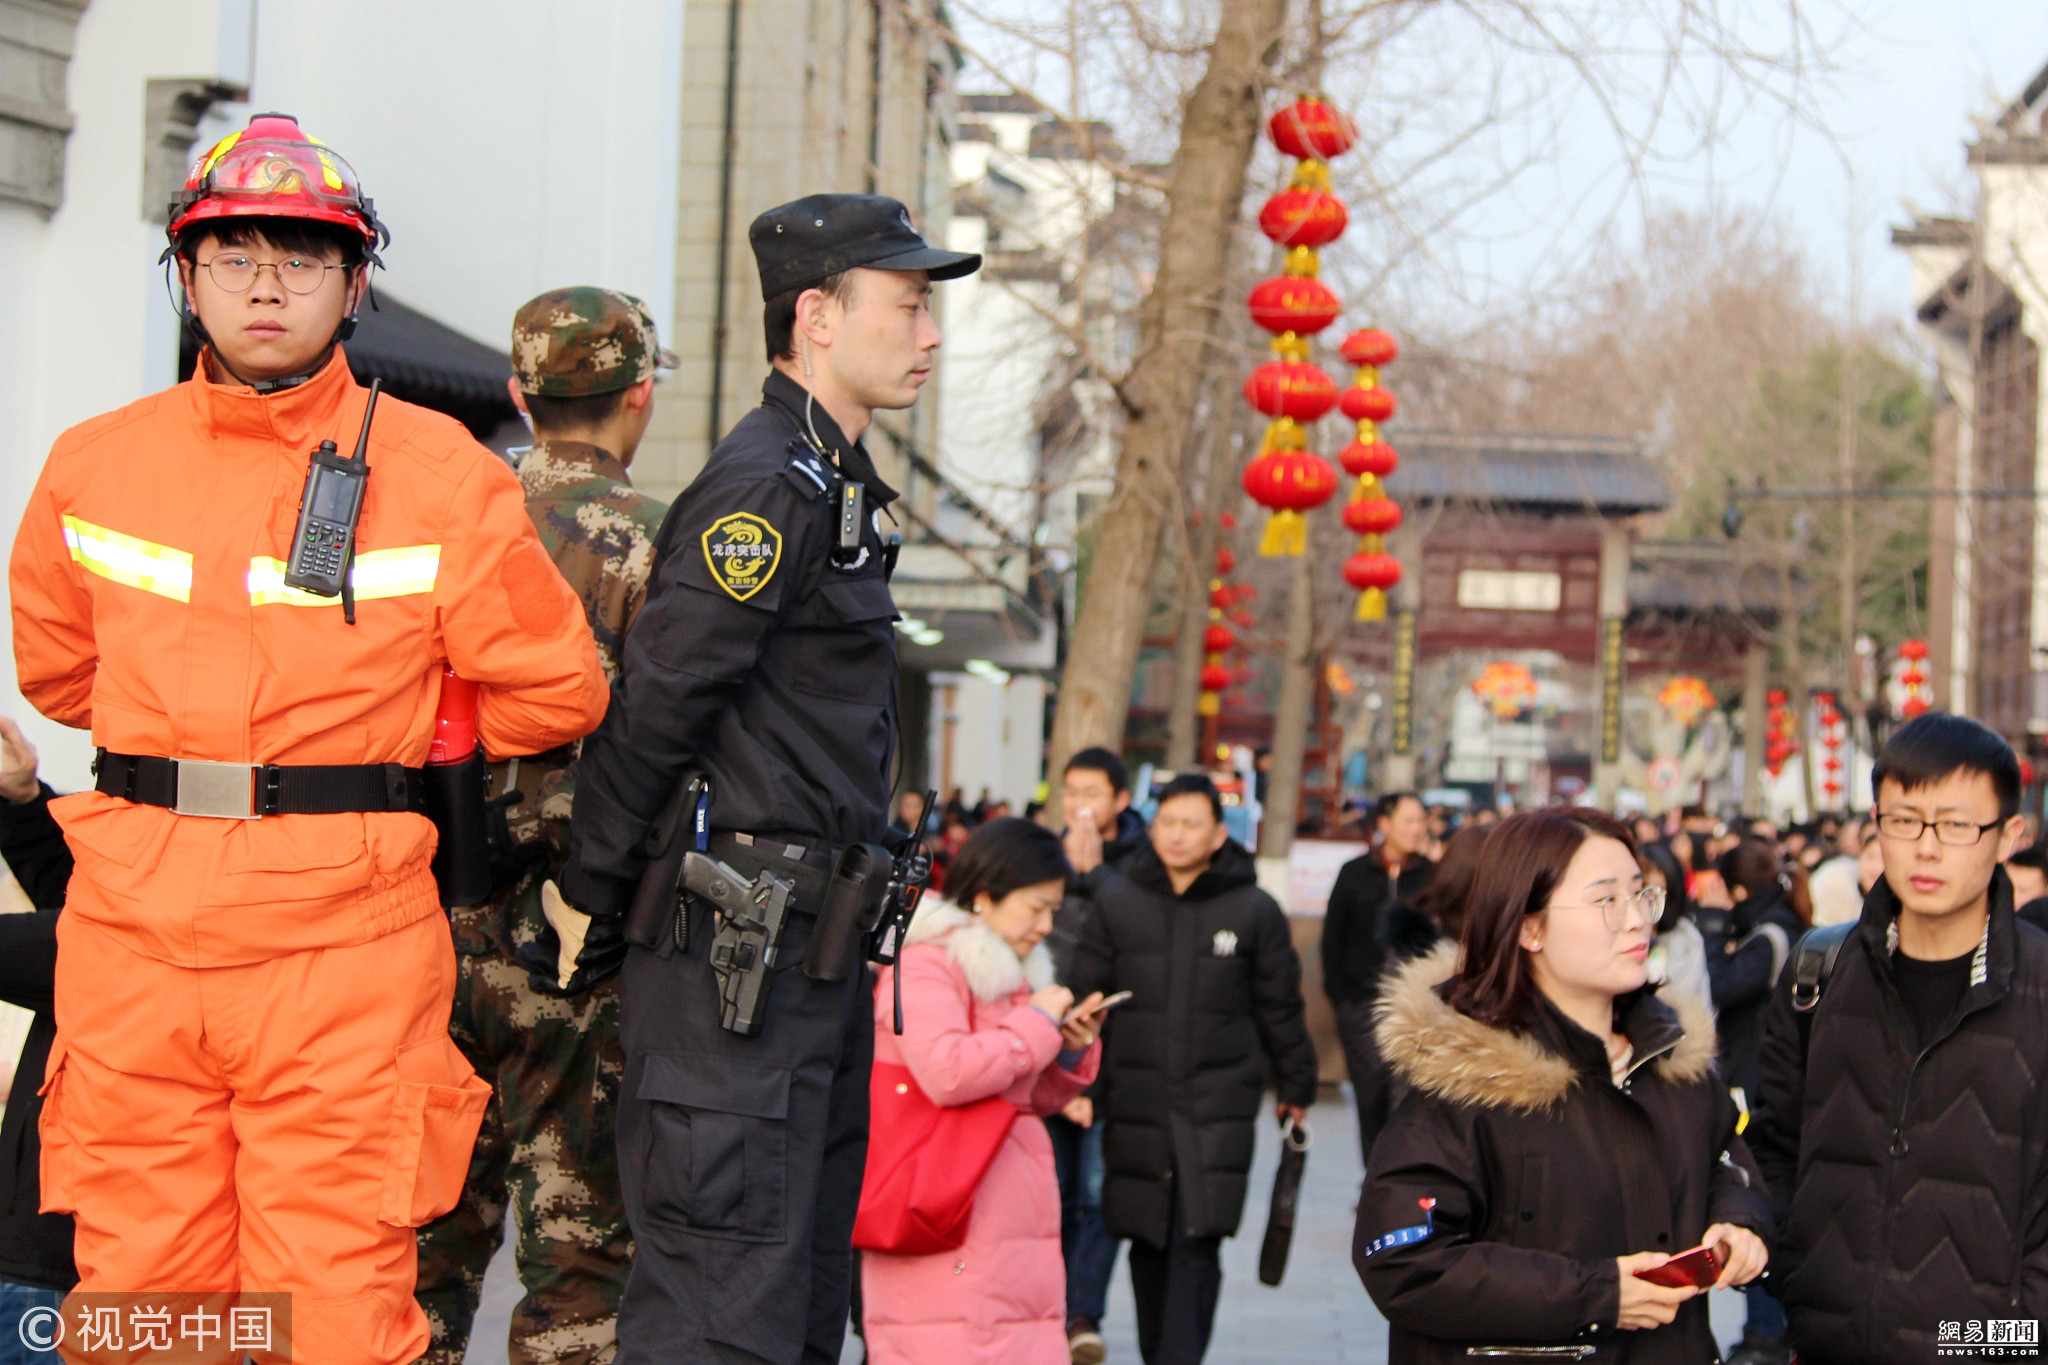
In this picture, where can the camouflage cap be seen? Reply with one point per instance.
(572, 343)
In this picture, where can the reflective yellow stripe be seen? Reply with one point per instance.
(403, 572)
(126, 559)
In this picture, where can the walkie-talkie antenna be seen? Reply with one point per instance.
(362, 456)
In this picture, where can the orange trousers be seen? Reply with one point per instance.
(280, 1126)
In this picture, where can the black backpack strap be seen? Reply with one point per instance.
(1813, 962)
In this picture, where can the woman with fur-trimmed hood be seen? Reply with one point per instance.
(981, 1017)
(1565, 1127)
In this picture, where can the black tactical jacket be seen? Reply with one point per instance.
(756, 661)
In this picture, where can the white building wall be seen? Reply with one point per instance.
(511, 148)
(988, 735)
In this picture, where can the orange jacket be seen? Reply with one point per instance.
(149, 604)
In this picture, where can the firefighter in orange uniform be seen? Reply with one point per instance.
(253, 1086)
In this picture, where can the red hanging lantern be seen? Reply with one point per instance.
(1914, 650)
(1226, 561)
(1367, 405)
(1776, 697)
(1372, 573)
(1310, 129)
(1244, 592)
(1243, 619)
(1218, 638)
(1227, 520)
(1221, 597)
(1214, 677)
(1292, 389)
(1372, 516)
(1914, 708)
(1304, 216)
(1288, 483)
(1293, 303)
(1375, 458)
(1369, 346)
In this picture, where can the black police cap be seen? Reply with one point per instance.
(801, 243)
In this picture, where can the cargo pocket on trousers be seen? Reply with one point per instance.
(434, 1120)
(718, 1158)
(59, 1154)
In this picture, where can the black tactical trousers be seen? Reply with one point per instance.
(741, 1159)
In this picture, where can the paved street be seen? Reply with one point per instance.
(1320, 1316)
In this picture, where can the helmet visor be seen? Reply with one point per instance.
(254, 170)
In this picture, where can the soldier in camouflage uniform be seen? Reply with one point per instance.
(583, 363)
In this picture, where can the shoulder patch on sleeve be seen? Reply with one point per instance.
(742, 550)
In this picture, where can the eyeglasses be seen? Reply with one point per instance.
(1907, 829)
(233, 274)
(1647, 902)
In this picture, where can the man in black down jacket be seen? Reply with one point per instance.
(1216, 996)
(35, 1248)
(1355, 946)
(1903, 1122)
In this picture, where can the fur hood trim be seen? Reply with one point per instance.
(1455, 1057)
(994, 972)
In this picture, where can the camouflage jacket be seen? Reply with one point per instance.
(599, 530)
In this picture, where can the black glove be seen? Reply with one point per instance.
(576, 951)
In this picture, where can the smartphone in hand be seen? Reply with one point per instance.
(1699, 1268)
(1103, 1007)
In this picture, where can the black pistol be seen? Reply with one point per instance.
(751, 916)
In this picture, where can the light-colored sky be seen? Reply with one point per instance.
(1910, 76)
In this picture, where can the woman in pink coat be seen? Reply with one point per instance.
(981, 1017)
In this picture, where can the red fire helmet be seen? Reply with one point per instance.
(272, 169)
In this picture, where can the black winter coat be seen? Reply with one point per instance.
(1742, 980)
(1912, 1184)
(1515, 1172)
(1354, 944)
(35, 1248)
(1216, 997)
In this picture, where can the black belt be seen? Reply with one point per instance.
(245, 791)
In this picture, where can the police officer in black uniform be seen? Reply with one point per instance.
(764, 663)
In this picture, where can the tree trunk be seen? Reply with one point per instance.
(1219, 130)
(1291, 708)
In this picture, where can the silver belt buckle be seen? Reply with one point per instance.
(219, 791)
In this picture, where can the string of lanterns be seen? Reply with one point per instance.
(1226, 604)
(1913, 677)
(1370, 514)
(1778, 744)
(1286, 477)
(1834, 730)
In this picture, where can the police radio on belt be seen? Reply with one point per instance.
(324, 542)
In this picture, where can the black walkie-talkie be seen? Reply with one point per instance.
(325, 540)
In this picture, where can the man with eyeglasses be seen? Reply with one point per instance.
(252, 1087)
(1903, 1116)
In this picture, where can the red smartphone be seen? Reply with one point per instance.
(1699, 1267)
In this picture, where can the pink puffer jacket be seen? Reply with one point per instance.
(969, 1032)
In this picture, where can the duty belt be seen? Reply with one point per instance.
(807, 867)
(248, 791)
